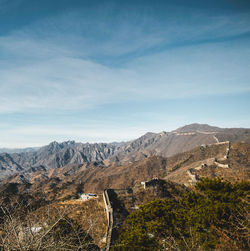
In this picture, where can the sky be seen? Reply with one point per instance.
(104, 71)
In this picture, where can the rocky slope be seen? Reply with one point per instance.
(165, 144)
(225, 160)
(55, 155)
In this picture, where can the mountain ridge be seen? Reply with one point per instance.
(224, 160)
(165, 144)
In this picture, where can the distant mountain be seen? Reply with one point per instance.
(198, 127)
(54, 155)
(165, 144)
(18, 150)
(225, 160)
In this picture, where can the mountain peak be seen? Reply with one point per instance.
(163, 144)
(197, 127)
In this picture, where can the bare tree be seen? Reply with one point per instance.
(237, 236)
(52, 230)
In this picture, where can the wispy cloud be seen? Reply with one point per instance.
(78, 60)
(67, 82)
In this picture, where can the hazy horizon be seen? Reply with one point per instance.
(91, 142)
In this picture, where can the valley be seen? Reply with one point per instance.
(125, 176)
(57, 155)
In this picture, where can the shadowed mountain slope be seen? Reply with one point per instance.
(165, 144)
(225, 160)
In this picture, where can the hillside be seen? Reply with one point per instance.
(54, 155)
(164, 144)
(229, 161)
(53, 196)
(213, 215)
(66, 225)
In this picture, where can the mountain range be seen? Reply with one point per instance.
(230, 161)
(164, 144)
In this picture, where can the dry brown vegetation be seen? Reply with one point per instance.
(90, 215)
(49, 228)
(66, 183)
(58, 190)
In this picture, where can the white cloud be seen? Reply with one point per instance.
(67, 82)
(56, 64)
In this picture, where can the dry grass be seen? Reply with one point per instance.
(90, 215)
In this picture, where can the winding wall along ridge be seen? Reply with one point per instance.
(110, 217)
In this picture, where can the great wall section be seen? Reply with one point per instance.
(110, 218)
(107, 194)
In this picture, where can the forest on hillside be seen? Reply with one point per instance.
(212, 216)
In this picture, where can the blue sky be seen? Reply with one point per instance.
(112, 70)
